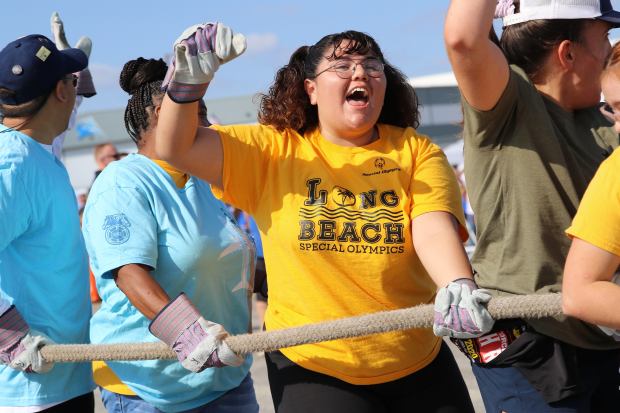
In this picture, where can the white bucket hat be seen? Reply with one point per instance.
(563, 9)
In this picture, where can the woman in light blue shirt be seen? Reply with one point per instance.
(167, 256)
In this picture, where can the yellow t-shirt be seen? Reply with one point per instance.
(335, 223)
(102, 373)
(598, 218)
(179, 177)
(105, 377)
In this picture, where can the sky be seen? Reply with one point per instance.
(408, 31)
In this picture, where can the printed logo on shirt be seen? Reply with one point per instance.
(116, 229)
(380, 168)
(343, 197)
(365, 223)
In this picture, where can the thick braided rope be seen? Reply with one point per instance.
(519, 306)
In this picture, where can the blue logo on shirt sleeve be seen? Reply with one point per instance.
(116, 229)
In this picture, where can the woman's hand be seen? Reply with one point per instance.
(198, 53)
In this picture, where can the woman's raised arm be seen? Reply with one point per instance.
(479, 65)
(180, 141)
(198, 53)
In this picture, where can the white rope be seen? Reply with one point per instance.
(518, 306)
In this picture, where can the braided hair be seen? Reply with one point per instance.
(142, 79)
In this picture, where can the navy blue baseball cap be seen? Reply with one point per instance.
(608, 13)
(31, 66)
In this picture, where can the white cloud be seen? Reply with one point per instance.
(260, 43)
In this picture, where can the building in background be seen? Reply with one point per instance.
(438, 94)
(441, 111)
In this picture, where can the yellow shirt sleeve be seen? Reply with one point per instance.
(248, 150)
(598, 219)
(434, 186)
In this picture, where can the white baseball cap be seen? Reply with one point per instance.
(564, 9)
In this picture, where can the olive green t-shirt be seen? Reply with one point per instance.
(527, 164)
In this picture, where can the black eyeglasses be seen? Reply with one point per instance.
(73, 78)
(345, 68)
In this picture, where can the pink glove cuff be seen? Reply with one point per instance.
(174, 319)
(12, 329)
(194, 340)
(186, 93)
(85, 85)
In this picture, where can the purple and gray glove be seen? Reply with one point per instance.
(85, 86)
(198, 53)
(460, 310)
(20, 346)
(198, 343)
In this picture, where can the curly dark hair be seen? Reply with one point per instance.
(286, 104)
(142, 79)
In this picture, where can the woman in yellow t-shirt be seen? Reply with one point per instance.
(357, 212)
(588, 289)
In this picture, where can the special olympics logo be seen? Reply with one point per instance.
(379, 163)
(116, 229)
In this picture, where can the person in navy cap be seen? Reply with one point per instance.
(43, 262)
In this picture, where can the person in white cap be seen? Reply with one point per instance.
(43, 263)
(534, 138)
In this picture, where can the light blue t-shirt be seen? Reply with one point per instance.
(136, 214)
(43, 266)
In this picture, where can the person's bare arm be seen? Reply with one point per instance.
(587, 290)
(479, 66)
(198, 343)
(190, 148)
(439, 247)
(460, 306)
(140, 287)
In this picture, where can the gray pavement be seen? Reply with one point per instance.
(261, 385)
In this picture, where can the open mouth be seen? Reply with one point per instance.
(357, 96)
